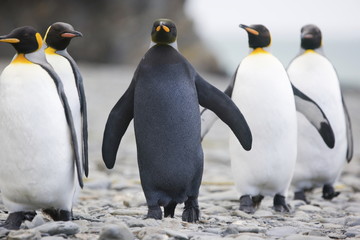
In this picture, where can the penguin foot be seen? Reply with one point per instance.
(169, 210)
(329, 192)
(280, 205)
(300, 195)
(257, 200)
(58, 214)
(247, 204)
(14, 220)
(191, 211)
(154, 212)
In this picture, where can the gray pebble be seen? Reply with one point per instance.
(37, 221)
(116, 232)
(54, 228)
(309, 208)
(302, 237)
(3, 232)
(281, 231)
(156, 237)
(176, 235)
(351, 222)
(28, 234)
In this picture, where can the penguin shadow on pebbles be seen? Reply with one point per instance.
(261, 88)
(38, 134)
(163, 99)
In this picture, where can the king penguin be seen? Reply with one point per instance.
(40, 162)
(261, 88)
(263, 92)
(57, 39)
(318, 165)
(163, 99)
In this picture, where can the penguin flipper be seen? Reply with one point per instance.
(69, 119)
(349, 136)
(315, 115)
(83, 107)
(208, 118)
(116, 125)
(218, 102)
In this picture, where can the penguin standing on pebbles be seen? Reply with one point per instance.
(57, 39)
(262, 90)
(318, 165)
(163, 99)
(40, 164)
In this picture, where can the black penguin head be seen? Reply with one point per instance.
(163, 31)
(310, 37)
(59, 35)
(259, 35)
(24, 39)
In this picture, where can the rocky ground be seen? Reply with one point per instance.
(112, 204)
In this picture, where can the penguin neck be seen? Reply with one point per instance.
(258, 50)
(20, 58)
(319, 50)
(50, 51)
(173, 44)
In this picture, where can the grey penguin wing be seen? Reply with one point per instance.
(208, 118)
(218, 102)
(349, 136)
(116, 125)
(69, 119)
(83, 107)
(311, 110)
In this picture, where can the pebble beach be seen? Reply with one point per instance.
(112, 205)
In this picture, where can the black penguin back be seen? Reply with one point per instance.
(167, 126)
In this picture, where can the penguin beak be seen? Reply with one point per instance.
(249, 30)
(165, 28)
(71, 34)
(9, 39)
(307, 36)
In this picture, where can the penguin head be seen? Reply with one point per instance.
(259, 35)
(59, 35)
(24, 39)
(310, 37)
(163, 31)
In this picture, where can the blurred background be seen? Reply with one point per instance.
(118, 31)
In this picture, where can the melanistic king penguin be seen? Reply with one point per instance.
(261, 89)
(318, 165)
(163, 99)
(57, 38)
(40, 162)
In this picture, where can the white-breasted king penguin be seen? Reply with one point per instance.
(262, 90)
(163, 99)
(317, 164)
(57, 39)
(40, 162)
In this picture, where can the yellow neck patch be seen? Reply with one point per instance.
(20, 58)
(309, 51)
(259, 50)
(50, 51)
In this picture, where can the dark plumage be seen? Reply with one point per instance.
(163, 98)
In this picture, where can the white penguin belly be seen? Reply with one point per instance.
(317, 164)
(63, 68)
(37, 169)
(263, 93)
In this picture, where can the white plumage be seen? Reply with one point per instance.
(317, 164)
(37, 167)
(263, 93)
